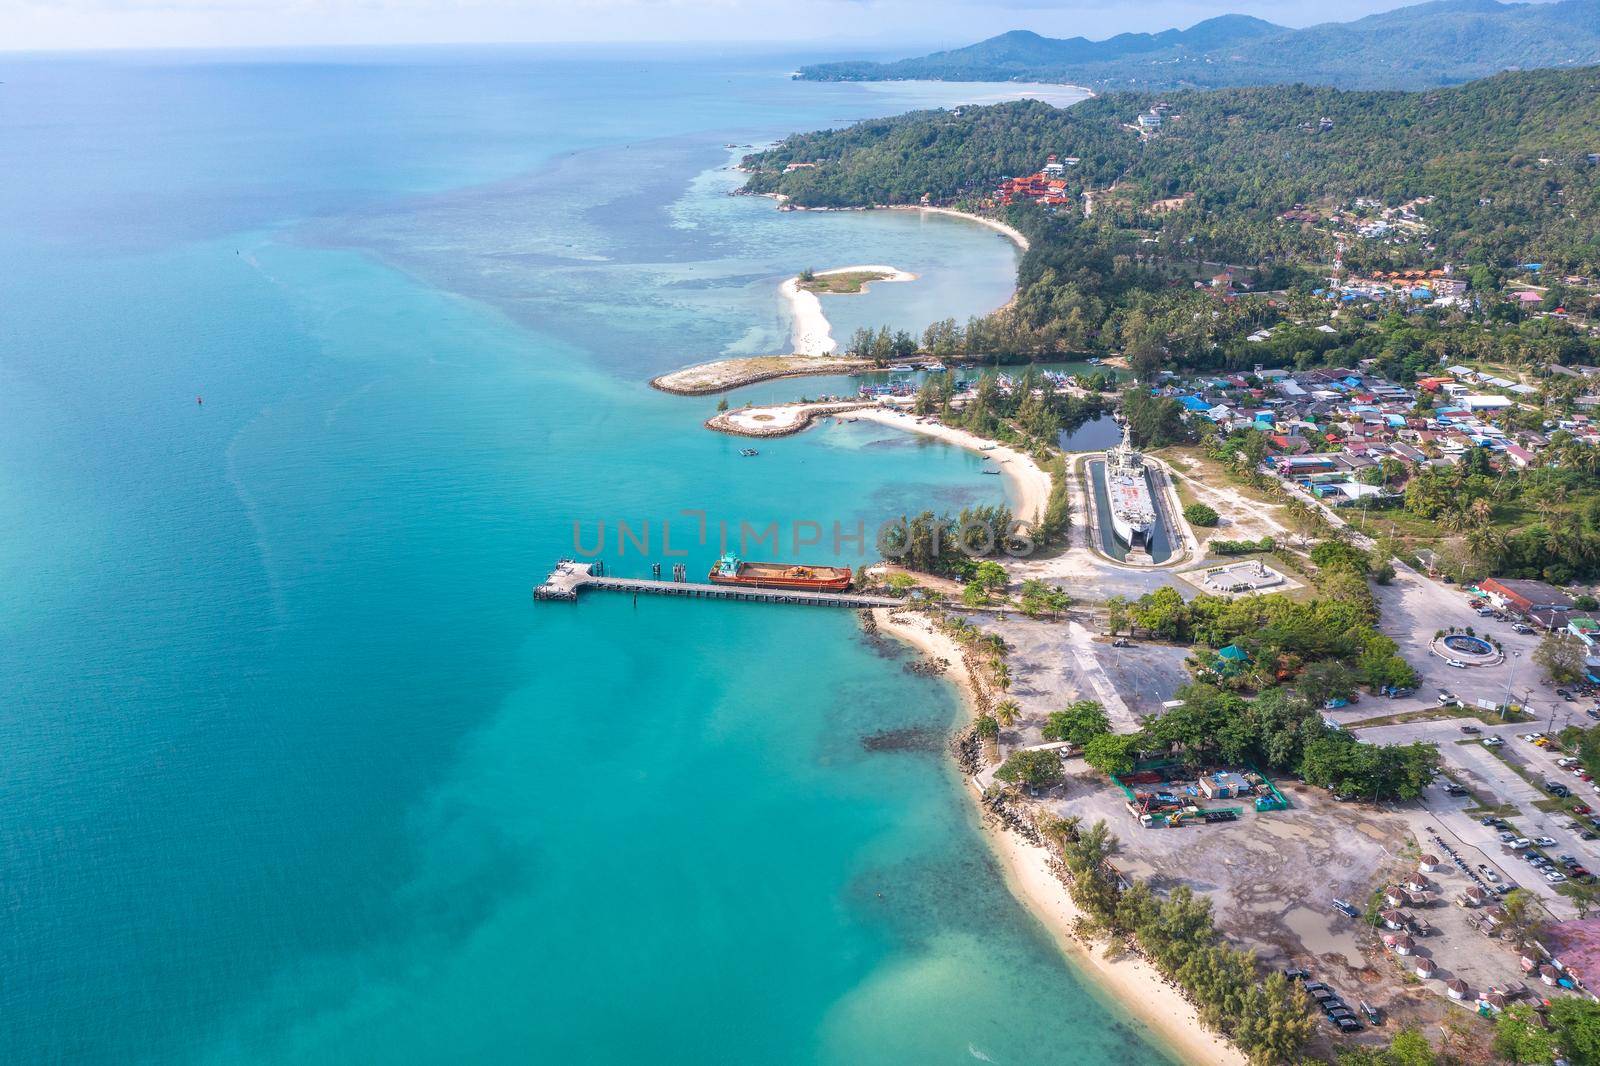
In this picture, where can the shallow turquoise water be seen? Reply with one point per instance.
(294, 770)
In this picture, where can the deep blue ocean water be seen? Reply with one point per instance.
(291, 767)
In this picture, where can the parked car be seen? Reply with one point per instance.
(1522, 627)
(1492, 742)
(1544, 842)
(1470, 729)
(1346, 909)
(1457, 663)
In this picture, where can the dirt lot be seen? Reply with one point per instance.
(1271, 876)
(1243, 515)
(1055, 663)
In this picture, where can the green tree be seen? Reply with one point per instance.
(987, 727)
(1116, 614)
(1521, 913)
(1408, 1048)
(1327, 680)
(990, 575)
(1273, 1021)
(1079, 723)
(1576, 1024)
(1518, 1036)
(1006, 712)
(1036, 768)
(1562, 656)
(1199, 514)
(1111, 753)
(1038, 599)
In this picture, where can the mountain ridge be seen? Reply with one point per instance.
(1441, 42)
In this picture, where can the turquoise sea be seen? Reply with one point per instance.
(292, 770)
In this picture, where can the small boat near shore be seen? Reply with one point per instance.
(748, 452)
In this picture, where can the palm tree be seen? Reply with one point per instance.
(1002, 675)
(1006, 712)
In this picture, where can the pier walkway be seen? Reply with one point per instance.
(570, 577)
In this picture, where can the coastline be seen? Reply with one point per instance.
(703, 379)
(1131, 982)
(812, 333)
(1029, 482)
(995, 224)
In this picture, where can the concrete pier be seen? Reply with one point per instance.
(571, 577)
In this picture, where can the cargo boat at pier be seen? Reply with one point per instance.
(731, 570)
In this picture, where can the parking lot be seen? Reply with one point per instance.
(1415, 607)
(1494, 782)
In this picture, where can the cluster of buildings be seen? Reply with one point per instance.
(1325, 427)
(1148, 123)
(1441, 286)
(1047, 187)
(1365, 218)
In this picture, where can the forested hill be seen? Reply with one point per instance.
(1425, 45)
(1506, 159)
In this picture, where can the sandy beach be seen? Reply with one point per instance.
(1128, 980)
(1029, 482)
(812, 334)
(1000, 227)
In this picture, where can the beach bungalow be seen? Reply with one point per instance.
(1404, 945)
(1456, 989)
(1430, 864)
(1425, 967)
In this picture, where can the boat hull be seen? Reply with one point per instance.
(793, 578)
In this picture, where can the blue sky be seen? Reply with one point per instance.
(901, 26)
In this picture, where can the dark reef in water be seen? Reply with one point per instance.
(917, 738)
